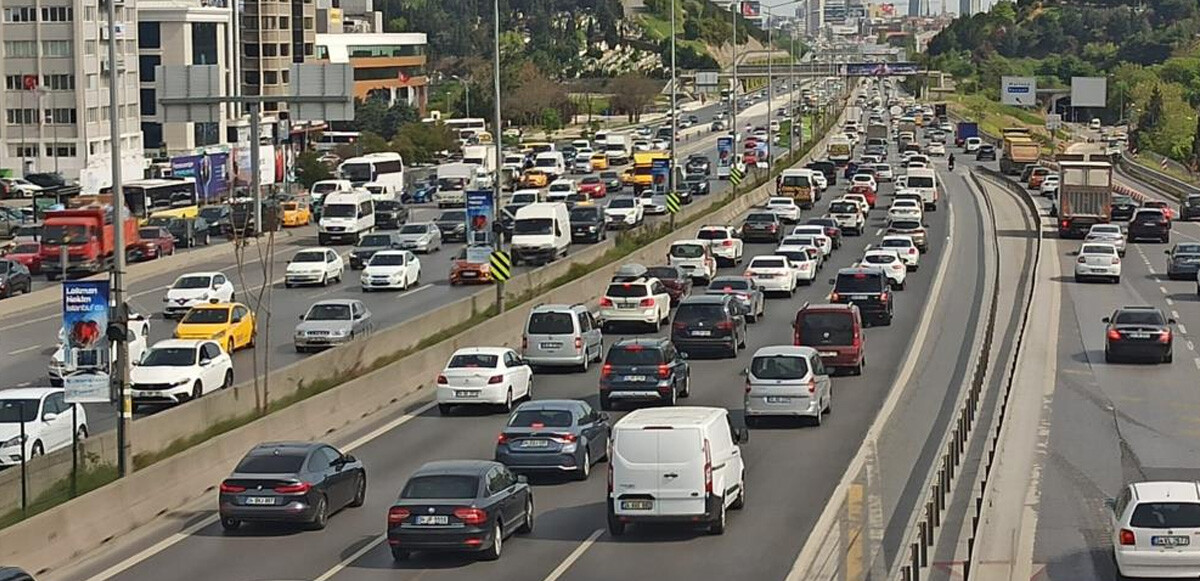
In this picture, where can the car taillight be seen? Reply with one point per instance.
(856, 342)
(725, 325)
(912, 250)
(883, 297)
(502, 438)
(664, 371)
(578, 344)
(565, 438)
(397, 515)
(231, 488)
(524, 342)
(1127, 538)
(610, 467)
(1164, 337)
(749, 273)
(470, 516)
(727, 243)
(1064, 223)
(1114, 335)
(1116, 260)
(708, 468)
(812, 386)
(606, 302)
(679, 326)
(298, 488)
(606, 370)
(772, 227)
(442, 380)
(646, 303)
(834, 296)
(495, 379)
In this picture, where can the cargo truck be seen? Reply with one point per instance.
(840, 150)
(877, 131)
(1019, 151)
(963, 130)
(1084, 196)
(88, 234)
(798, 185)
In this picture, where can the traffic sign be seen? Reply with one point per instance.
(673, 203)
(501, 265)
(736, 174)
(1053, 121)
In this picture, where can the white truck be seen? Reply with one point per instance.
(481, 155)
(453, 181)
(618, 149)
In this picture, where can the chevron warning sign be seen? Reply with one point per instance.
(501, 265)
(736, 174)
(673, 203)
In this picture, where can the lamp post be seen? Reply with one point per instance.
(674, 112)
(498, 139)
(466, 88)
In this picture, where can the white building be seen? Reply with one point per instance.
(56, 79)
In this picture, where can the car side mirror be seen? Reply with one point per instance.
(1104, 320)
(1170, 321)
(604, 417)
(347, 459)
(745, 372)
(833, 281)
(301, 317)
(49, 416)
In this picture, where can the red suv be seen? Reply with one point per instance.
(836, 332)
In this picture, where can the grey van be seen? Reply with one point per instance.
(562, 336)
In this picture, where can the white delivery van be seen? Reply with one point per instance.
(618, 149)
(325, 187)
(924, 181)
(382, 192)
(541, 233)
(551, 162)
(676, 464)
(345, 216)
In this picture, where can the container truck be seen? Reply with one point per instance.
(963, 130)
(89, 235)
(1084, 196)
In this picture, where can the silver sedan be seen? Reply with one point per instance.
(331, 322)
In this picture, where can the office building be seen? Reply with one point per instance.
(815, 18)
(56, 78)
(388, 66)
(274, 35)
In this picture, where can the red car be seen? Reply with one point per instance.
(27, 254)
(867, 191)
(155, 242)
(1167, 210)
(593, 186)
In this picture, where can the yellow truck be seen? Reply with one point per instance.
(643, 168)
(1019, 151)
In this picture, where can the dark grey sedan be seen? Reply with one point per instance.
(1183, 261)
(558, 435)
(461, 506)
(292, 482)
(746, 290)
(368, 245)
(453, 224)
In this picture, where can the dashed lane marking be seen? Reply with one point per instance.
(25, 350)
(574, 556)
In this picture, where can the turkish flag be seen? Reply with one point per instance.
(403, 77)
(30, 82)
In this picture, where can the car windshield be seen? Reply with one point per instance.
(271, 464)
(687, 251)
(779, 367)
(590, 180)
(211, 214)
(441, 486)
(170, 357)
(843, 207)
(583, 214)
(312, 256)
(386, 205)
(328, 312)
(541, 419)
(453, 216)
(374, 240)
(1187, 249)
(471, 360)
(414, 229)
(58, 235)
(148, 233)
(621, 203)
(388, 259)
(627, 290)
(729, 284)
(695, 313)
(339, 211)
(1146, 317)
(28, 248)
(551, 324)
(858, 282)
(633, 355)
(608, 175)
(205, 316)
(13, 411)
(533, 226)
(1166, 515)
(192, 282)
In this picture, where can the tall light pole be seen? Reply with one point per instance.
(734, 8)
(120, 375)
(674, 109)
(498, 139)
(771, 134)
(792, 132)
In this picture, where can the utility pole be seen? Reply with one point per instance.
(733, 93)
(120, 375)
(674, 110)
(255, 185)
(771, 134)
(792, 127)
(497, 139)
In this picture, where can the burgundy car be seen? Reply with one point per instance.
(27, 254)
(155, 242)
(678, 283)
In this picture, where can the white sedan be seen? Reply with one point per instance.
(314, 266)
(1098, 260)
(178, 370)
(814, 235)
(773, 273)
(785, 208)
(196, 288)
(805, 260)
(1108, 233)
(391, 269)
(47, 421)
(905, 210)
(936, 148)
(890, 262)
(483, 376)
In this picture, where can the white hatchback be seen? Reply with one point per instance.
(889, 260)
(178, 370)
(1154, 525)
(483, 376)
(905, 248)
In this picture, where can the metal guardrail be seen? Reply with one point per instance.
(1166, 184)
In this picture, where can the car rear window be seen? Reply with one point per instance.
(1138, 318)
(724, 284)
(634, 355)
(687, 251)
(1097, 249)
(879, 259)
(441, 486)
(627, 290)
(826, 329)
(761, 217)
(920, 182)
(713, 234)
(859, 282)
(551, 324)
(779, 367)
(843, 207)
(1166, 515)
(270, 464)
(768, 263)
(472, 360)
(541, 419)
(695, 313)
(663, 272)
(906, 225)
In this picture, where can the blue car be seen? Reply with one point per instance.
(555, 435)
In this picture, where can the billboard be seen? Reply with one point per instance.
(880, 69)
(85, 341)
(659, 172)
(211, 171)
(1018, 91)
(1089, 91)
(724, 151)
(751, 9)
(480, 216)
(267, 162)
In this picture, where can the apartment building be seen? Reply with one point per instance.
(274, 35)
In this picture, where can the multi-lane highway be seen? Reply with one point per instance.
(791, 470)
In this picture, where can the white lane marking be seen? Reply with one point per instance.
(189, 531)
(879, 232)
(25, 350)
(1175, 315)
(352, 558)
(32, 321)
(1169, 301)
(1182, 329)
(1197, 362)
(423, 287)
(1163, 289)
(1191, 346)
(574, 556)
(24, 384)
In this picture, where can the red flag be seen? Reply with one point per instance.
(29, 82)
(403, 77)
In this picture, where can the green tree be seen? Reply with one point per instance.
(1194, 158)
(310, 170)
(551, 120)
(1153, 116)
(1005, 12)
(371, 142)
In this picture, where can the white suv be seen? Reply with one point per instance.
(1153, 528)
(849, 216)
(905, 248)
(726, 245)
(178, 370)
(773, 272)
(644, 300)
(889, 260)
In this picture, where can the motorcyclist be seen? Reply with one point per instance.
(951, 160)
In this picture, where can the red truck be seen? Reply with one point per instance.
(88, 235)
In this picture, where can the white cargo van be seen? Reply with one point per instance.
(675, 464)
(325, 187)
(541, 233)
(618, 149)
(345, 216)
(924, 181)
(551, 162)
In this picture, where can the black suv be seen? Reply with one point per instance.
(699, 164)
(1123, 207)
(587, 224)
(762, 227)
(643, 370)
(390, 215)
(986, 152)
(709, 322)
(825, 167)
(1183, 261)
(1138, 332)
(696, 184)
(868, 289)
(1189, 209)
(453, 224)
(1149, 223)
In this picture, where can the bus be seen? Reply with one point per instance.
(384, 168)
(176, 197)
(331, 140)
(466, 127)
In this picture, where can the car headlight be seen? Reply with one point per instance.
(217, 335)
(339, 333)
(180, 382)
(13, 441)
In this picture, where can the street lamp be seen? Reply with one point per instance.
(466, 87)
(674, 111)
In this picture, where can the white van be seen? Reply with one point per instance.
(325, 187)
(693, 257)
(551, 162)
(924, 181)
(381, 192)
(541, 233)
(675, 464)
(345, 216)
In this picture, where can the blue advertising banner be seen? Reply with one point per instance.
(659, 172)
(211, 171)
(481, 213)
(85, 341)
(880, 69)
(724, 151)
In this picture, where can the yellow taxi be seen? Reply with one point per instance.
(296, 214)
(599, 161)
(230, 324)
(535, 178)
(627, 177)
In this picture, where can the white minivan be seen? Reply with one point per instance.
(345, 216)
(924, 181)
(541, 233)
(677, 464)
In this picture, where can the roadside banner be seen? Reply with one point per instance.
(211, 171)
(480, 214)
(85, 341)
(724, 151)
(659, 172)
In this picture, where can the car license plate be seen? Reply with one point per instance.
(637, 504)
(827, 353)
(635, 378)
(1170, 541)
(627, 306)
(432, 519)
(1139, 335)
(469, 274)
(765, 276)
(463, 393)
(704, 333)
(778, 399)
(535, 443)
(260, 500)
(858, 297)
(550, 345)
(1099, 270)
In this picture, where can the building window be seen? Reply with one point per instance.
(14, 82)
(21, 116)
(309, 23)
(250, 49)
(61, 150)
(61, 116)
(149, 35)
(93, 115)
(89, 13)
(20, 48)
(58, 82)
(250, 78)
(56, 48)
(25, 150)
(146, 64)
(269, 50)
(270, 78)
(285, 49)
(149, 102)
(204, 43)
(285, 76)
(206, 134)
(153, 134)
(269, 23)
(284, 23)
(20, 14)
(57, 14)
(308, 49)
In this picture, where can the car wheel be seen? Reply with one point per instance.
(587, 359)
(527, 524)
(828, 402)
(325, 279)
(399, 554)
(605, 402)
(740, 502)
(37, 449)
(497, 544)
(197, 390)
(1109, 357)
(816, 420)
(1169, 357)
(230, 347)
(687, 387)
(360, 492)
(508, 401)
(616, 528)
(444, 409)
(585, 467)
(231, 524)
(320, 515)
(717, 527)
(228, 382)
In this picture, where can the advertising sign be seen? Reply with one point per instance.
(480, 216)
(267, 161)
(751, 9)
(211, 171)
(1018, 91)
(85, 341)
(659, 173)
(724, 151)
(881, 69)
(1089, 91)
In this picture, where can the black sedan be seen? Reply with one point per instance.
(188, 232)
(459, 505)
(554, 435)
(699, 164)
(1138, 333)
(214, 216)
(293, 482)
(390, 215)
(986, 152)
(453, 224)
(612, 181)
(14, 278)
(696, 184)
(1183, 261)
